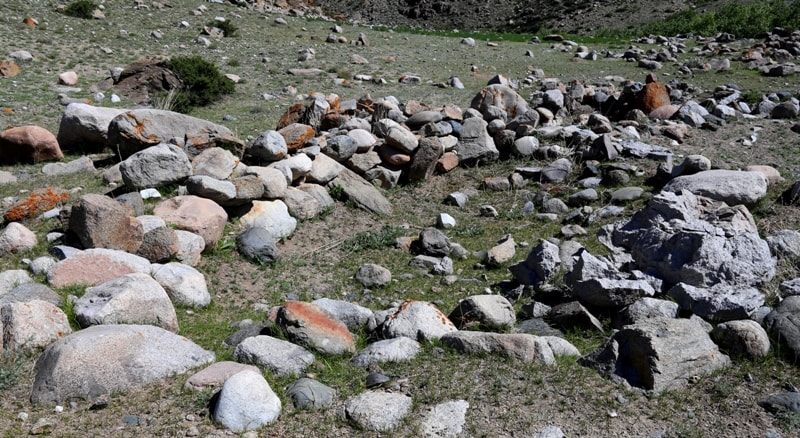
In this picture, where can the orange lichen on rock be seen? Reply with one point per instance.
(36, 203)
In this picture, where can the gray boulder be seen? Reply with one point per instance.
(84, 128)
(362, 193)
(542, 263)
(308, 393)
(377, 410)
(372, 275)
(246, 402)
(27, 326)
(485, 311)
(280, 357)
(101, 222)
(445, 419)
(133, 131)
(268, 146)
(658, 354)
(518, 346)
(645, 308)
(742, 338)
(475, 144)
(682, 238)
(416, 320)
(185, 285)
(355, 317)
(28, 292)
(783, 326)
(398, 349)
(155, 166)
(720, 302)
(130, 299)
(272, 216)
(257, 244)
(105, 359)
(729, 186)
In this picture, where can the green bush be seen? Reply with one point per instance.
(228, 28)
(203, 84)
(81, 9)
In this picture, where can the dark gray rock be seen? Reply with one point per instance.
(783, 325)
(721, 302)
(257, 244)
(308, 393)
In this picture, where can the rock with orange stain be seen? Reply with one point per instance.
(418, 320)
(139, 129)
(31, 325)
(653, 95)
(28, 144)
(292, 115)
(9, 69)
(38, 202)
(310, 326)
(447, 162)
(296, 135)
(30, 22)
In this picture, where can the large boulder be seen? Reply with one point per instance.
(280, 357)
(28, 144)
(310, 326)
(377, 410)
(155, 166)
(135, 130)
(502, 97)
(246, 402)
(518, 346)
(417, 320)
(658, 354)
(689, 239)
(783, 325)
(105, 359)
(131, 299)
(362, 193)
(101, 222)
(475, 144)
(729, 186)
(195, 214)
(26, 326)
(84, 128)
(94, 266)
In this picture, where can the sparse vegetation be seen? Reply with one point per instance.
(81, 9)
(203, 84)
(228, 28)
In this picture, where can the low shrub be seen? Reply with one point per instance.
(228, 28)
(203, 84)
(81, 9)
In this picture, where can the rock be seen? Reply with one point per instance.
(158, 244)
(280, 357)
(130, 299)
(742, 338)
(190, 247)
(214, 162)
(105, 359)
(557, 171)
(95, 266)
(445, 221)
(84, 128)
(274, 180)
(268, 146)
(781, 402)
(550, 432)
(781, 324)
(272, 216)
(101, 222)
(197, 215)
(573, 315)
(28, 144)
(653, 95)
(720, 302)
(133, 131)
(645, 308)
(310, 326)
(542, 263)
(427, 155)
(310, 394)
(377, 410)
(340, 147)
(517, 346)
(296, 135)
(294, 167)
(323, 170)
(185, 285)
(785, 110)
(15, 238)
(355, 317)
(445, 419)
(492, 312)
(699, 245)
(214, 375)
(730, 186)
(560, 346)
(502, 253)
(29, 291)
(257, 244)
(398, 349)
(37, 203)
(372, 275)
(658, 354)
(433, 242)
(611, 293)
(28, 326)
(363, 194)
(68, 78)
(246, 402)
(416, 320)
(502, 97)
(475, 144)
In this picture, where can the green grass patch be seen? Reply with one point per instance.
(81, 9)
(373, 239)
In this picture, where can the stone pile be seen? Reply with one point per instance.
(695, 243)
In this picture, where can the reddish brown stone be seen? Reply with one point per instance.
(296, 135)
(447, 162)
(90, 268)
(292, 115)
(28, 144)
(101, 222)
(332, 120)
(654, 95)
(30, 22)
(310, 326)
(9, 69)
(414, 106)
